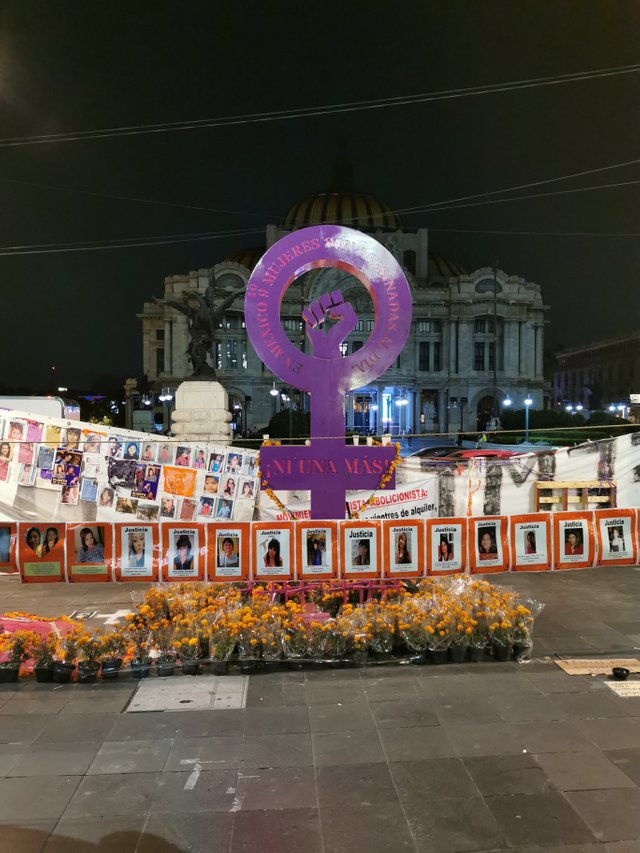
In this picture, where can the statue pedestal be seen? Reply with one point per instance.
(201, 413)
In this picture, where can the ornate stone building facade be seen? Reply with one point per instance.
(477, 338)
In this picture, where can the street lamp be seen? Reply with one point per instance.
(528, 402)
(612, 408)
(569, 408)
(374, 409)
(506, 402)
(167, 397)
(579, 407)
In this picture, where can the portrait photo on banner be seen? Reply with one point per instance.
(616, 537)
(403, 547)
(488, 542)
(360, 549)
(41, 551)
(446, 546)
(136, 550)
(183, 553)
(227, 550)
(531, 541)
(89, 544)
(272, 553)
(572, 540)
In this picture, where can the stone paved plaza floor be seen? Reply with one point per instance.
(468, 757)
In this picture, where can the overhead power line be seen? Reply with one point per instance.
(327, 109)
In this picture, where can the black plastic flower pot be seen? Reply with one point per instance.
(438, 656)
(111, 668)
(62, 671)
(191, 667)
(140, 669)
(458, 653)
(477, 653)
(219, 667)
(502, 651)
(248, 666)
(165, 668)
(88, 672)
(43, 673)
(9, 673)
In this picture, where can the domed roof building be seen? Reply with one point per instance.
(476, 338)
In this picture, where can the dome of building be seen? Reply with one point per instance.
(247, 257)
(442, 269)
(351, 208)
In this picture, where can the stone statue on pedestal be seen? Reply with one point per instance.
(203, 318)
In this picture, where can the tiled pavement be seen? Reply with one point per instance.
(471, 757)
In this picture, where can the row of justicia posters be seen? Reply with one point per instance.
(316, 550)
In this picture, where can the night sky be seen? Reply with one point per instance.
(78, 66)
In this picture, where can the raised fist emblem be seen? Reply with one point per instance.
(333, 307)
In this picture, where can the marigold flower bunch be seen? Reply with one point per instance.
(16, 647)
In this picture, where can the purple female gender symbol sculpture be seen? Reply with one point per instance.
(328, 467)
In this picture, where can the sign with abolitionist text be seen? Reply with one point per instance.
(328, 467)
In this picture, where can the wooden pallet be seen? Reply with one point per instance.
(574, 494)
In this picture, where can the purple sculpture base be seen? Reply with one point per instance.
(331, 463)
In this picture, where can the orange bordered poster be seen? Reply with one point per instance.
(228, 551)
(316, 549)
(184, 551)
(8, 536)
(136, 551)
(403, 548)
(530, 537)
(617, 539)
(488, 545)
(360, 549)
(446, 546)
(574, 542)
(41, 552)
(89, 552)
(272, 550)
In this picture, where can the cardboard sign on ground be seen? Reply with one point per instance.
(626, 689)
(597, 666)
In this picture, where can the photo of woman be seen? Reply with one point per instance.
(445, 548)
(187, 509)
(168, 508)
(91, 550)
(247, 489)
(210, 486)
(228, 552)
(573, 542)
(137, 550)
(205, 507)
(403, 556)
(216, 461)
(616, 540)
(33, 538)
(147, 453)
(224, 509)
(114, 448)
(200, 462)
(71, 438)
(530, 542)
(132, 450)
(315, 551)
(487, 548)
(164, 456)
(106, 497)
(26, 453)
(183, 561)
(234, 463)
(229, 489)
(91, 443)
(272, 558)
(5, 452)
(362, 553)
(183, 456)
